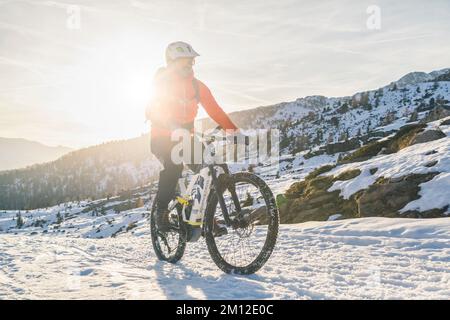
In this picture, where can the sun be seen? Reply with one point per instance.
(115, 86)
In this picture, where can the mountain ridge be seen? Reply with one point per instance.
(314, 124)
(27, 152)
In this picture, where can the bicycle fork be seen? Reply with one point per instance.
(220, 198)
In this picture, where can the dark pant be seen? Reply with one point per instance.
(161, 147)
(168, 177)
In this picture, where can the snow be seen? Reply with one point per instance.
(349, 187)
(411, 160)
(334, 217)
(368, 258)
(394, 126)
(75, 222)
(434, 194)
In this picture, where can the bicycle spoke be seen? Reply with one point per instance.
(241, 246)
(168, 243)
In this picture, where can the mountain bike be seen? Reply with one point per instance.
(240, 203)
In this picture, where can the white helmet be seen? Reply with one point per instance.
(180, 49)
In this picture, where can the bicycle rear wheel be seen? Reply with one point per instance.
(253, 231)
(168, 246)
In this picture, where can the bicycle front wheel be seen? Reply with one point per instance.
(253, 228)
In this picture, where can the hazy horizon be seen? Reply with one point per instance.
(200, 116)
(81, 75)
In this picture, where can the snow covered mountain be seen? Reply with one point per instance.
(18, 153)
(314, 121)
(406, 174)
(413, 78)
(310, 126)
(94, 172)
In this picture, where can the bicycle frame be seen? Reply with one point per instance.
(195, 197)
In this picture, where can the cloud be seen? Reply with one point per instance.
(252, 53)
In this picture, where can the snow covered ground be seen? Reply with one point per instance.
(369, 258)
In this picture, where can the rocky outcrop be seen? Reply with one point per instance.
(343, 146)
(428, 135)
(309, 200)
(436, 114)
(400, 140)
(407, 135)
(387, 196)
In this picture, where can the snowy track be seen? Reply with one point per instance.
(371, 258)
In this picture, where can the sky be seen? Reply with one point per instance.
(79, 73)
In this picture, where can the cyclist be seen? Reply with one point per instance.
(174, 106)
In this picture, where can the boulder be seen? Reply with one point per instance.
(386, 197)
(436, 114)
(317, 207)
(348, 175)
(400, 140)
(343, 146)
(309, 200)
(432, 213)
(428, 135)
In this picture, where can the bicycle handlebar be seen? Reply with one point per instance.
(237, 139)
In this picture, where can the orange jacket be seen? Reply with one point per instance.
(175, 103)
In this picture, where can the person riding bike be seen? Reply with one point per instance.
(174, 106)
